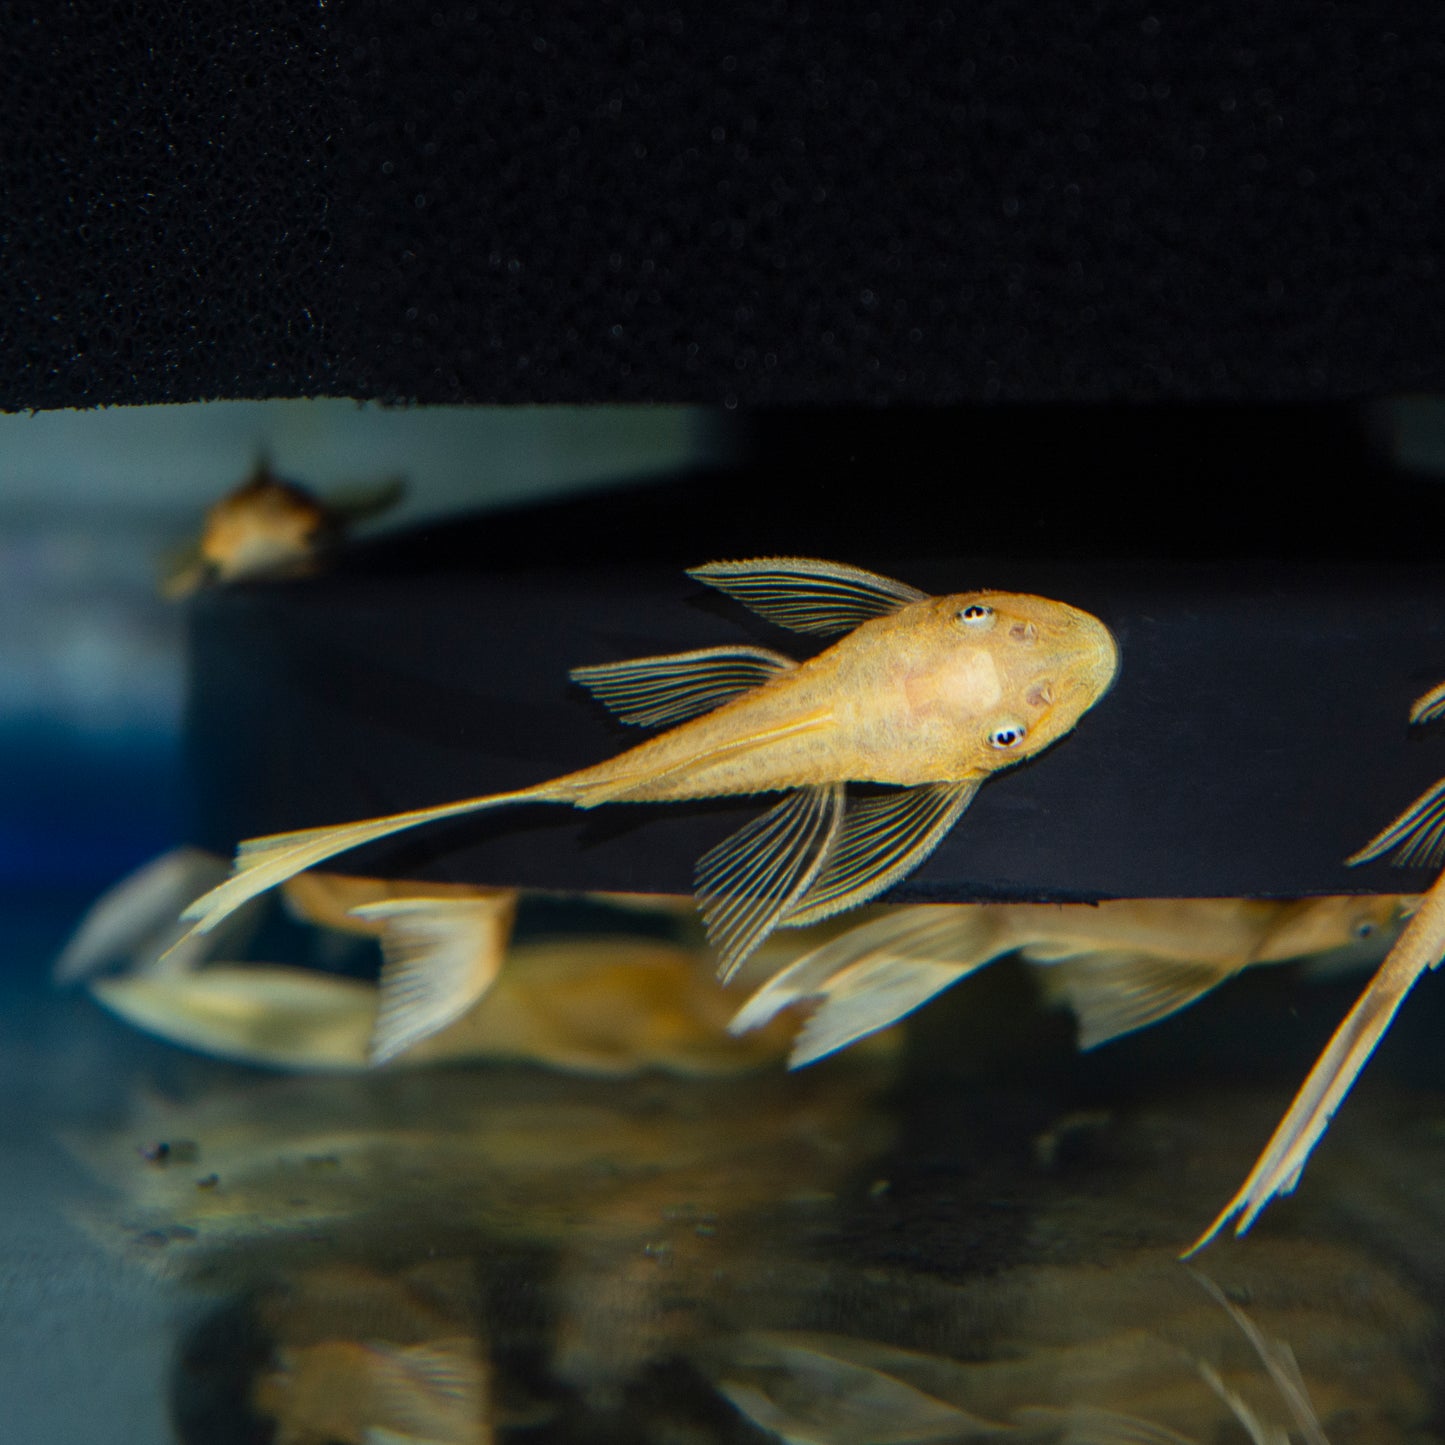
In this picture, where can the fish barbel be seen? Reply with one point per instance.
(928, 695)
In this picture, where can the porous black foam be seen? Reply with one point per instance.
(774, 201)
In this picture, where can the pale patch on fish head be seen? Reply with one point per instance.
(1048, 664)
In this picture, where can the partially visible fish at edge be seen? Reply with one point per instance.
(927, 695)
(1118, 966)
(1415, 839)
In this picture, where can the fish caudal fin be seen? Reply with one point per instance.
(806, 594)
(660, 691)
(1419, 948)
(440, 956)
(262, 863)
(873, 975)
(1112, 993)
(882, 840)
(749, 882)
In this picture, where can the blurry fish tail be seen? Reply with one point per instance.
(873, 975)
(262, 863)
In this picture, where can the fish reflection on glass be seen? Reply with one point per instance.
(1415, 839)
(361, 1354)
(605, 1007)
(354, 1392)
(1118, 965)
(442, 946)
(927, 695)
(269, 525)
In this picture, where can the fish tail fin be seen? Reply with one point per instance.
(872, 975)
(1280, 1166)
(262, 863)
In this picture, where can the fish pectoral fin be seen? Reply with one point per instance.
(1430, 706)
(1113, 993)
(806, 594)
(882, 840)
(872, 975)
(747, 884)
(440, 955)
(1416, 839)
(660, 691)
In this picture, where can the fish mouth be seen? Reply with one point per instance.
(1094, 655)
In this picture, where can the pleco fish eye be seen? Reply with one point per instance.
(895, 702)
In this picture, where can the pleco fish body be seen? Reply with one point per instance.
(930, 695)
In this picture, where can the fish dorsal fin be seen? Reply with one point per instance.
(874, 974)
(1416, 838)
(806, 594)
(882, 840)
(659, 691)
(1113, 993)
(1430, 706)
(440, 956)
(749, 882)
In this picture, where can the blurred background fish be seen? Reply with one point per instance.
(269, 525)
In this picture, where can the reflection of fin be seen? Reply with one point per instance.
(333, 900)
(808, 595)
(654, 691)
(1089, 1425)
(865, 1000)
(749, 882)
(814, 1388)
(882, 839)
(137, 918)
(1113, 993)
(1278, 1170)
(1280, 1364)
(1416, 837)
(441, 955)
(287, 1018)
(1430, 707)
(874, 974)
(441, 1383)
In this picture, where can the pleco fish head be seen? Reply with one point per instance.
(1053, 663)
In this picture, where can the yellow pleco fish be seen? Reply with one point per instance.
(928, 696)
(1415, 839)
(1118, 966)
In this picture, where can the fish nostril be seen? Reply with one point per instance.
(1040, 695)
(1023, 632)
